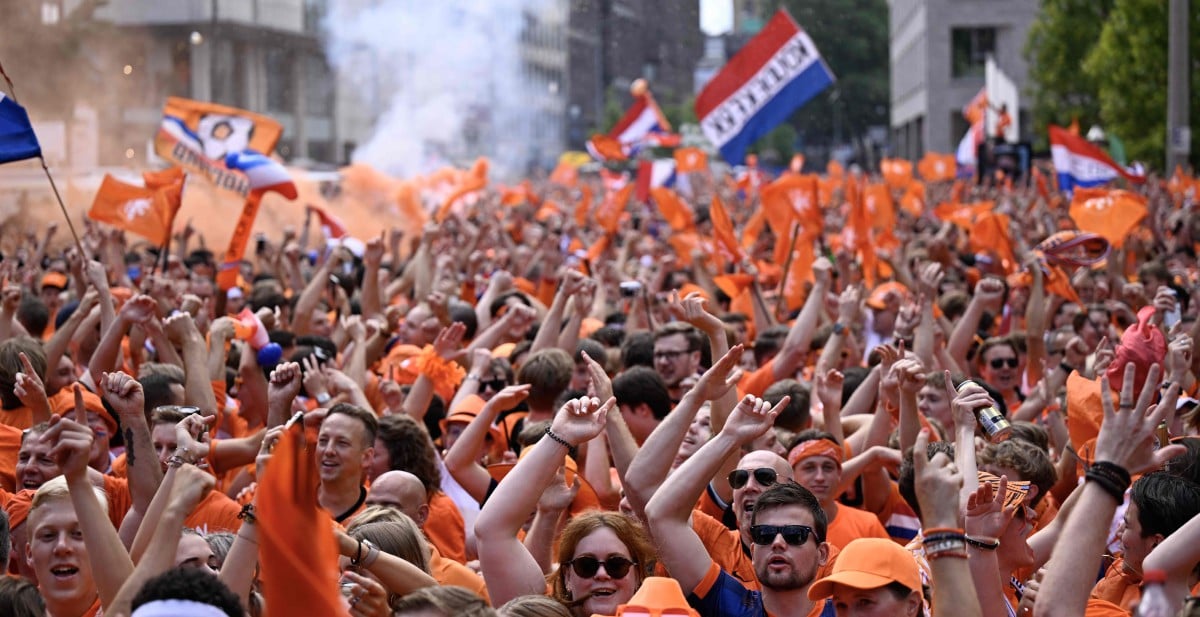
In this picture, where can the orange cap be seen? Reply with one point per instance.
(657, 595)
(64, 405)
(18, 507)
(503, 350)
(466, 411)
(55, 279)
(869, 563)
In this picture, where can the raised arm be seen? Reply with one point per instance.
(1177, 555)
(462, 460)
(197, 388)
(105, 358)
(669, 511)
(653, 461)
(370, 298)
(508, 568)
(989, 293)
(799, 338)
(72, 441)
(1123, 447)
(923, 339)
(937, 485)
(124, 394)
(692, 310)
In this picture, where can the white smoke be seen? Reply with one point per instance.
(443, 80)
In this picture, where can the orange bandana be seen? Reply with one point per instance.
(815, 447)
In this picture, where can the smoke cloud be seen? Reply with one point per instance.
(441, 80)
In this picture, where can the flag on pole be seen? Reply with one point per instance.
(17, 140)
(659, 173)
(1079, 162)
(690, 160)
(199, 136)
(642, 125)
(263, 174)
(147, 212)
(777, 72)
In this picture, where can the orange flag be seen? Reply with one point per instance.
(608, 215)
(723, 239)
(163, 178)
(990, 234)
(145, 212)
(792, 198)
(800, 271)
(835, 171)
(678, 213)
(297, 552)
(937, 167)
(880, 207)
(856, 235)
(733, 285)
(913, 201)
(584, 206)
(963, 215)
(753, 229)
(565, 175)
(897, 173)
(1111, 214)
(690, 160)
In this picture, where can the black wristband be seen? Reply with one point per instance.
(1107, 485)
(1115, 471)
(247, 514)
(982, 545)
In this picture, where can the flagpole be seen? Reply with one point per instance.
(63, 207)
(12, 91)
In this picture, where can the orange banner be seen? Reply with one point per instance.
(143, 211)
(1111, 214)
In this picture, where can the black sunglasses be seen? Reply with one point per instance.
(1000, 362)
(495, 384)
(587, 566)
(795, 535)
(765, 476)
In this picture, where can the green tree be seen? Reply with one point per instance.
(853, 38)
(1062, 36)
(1129, 66)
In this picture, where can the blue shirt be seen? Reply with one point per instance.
(721, 595)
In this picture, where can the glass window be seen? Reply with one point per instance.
(970, 49)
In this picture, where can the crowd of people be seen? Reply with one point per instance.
(521, 413)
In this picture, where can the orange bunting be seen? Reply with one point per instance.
(723, 239)
(1111, 214)
(935, 167)
(299, 554)
(146, 212)
(678, 213)
(690, 160)
(897, 173)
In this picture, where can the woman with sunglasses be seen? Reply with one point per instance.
(999, 366)
(603, 556)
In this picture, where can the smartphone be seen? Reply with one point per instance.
(630, 289)
(297, 417)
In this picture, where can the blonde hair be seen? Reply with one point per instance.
(376, 514)
(401, 538)
(534, 606)
(56, 489)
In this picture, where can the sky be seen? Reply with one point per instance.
(716, 16)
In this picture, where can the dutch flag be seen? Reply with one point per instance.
(1079, 162)
(265, 175)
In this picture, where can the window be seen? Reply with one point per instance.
(970, 49)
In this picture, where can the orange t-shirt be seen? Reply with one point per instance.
(709, 506)
(20, 418)
(852, 523)
(10, 445)
(445, 527)
(725, 548)
(757, 382)
(1118, 586)
(116, 491)
(216, 512)
(450, 572)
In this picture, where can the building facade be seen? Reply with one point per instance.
(613, 42)
(938, 49)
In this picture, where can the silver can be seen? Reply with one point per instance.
(991, 420)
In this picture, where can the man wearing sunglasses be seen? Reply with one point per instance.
(786, 528)
(999, 365)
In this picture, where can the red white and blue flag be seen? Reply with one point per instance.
(1079, 162)
(262, 172)
(642, 125)
(17, 140)
(777, 72)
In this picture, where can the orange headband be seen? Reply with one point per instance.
(815, 447)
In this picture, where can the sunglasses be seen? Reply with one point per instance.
(1000, 362)
(587, 566)
(495, 384)
(765, 476)
(795, 535)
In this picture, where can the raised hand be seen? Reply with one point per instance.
(930, 279)
(581, 420)
(354, 327)
(191, 485)
(910, 375)
(509, 397)
(449, 340)
(601, 386)
(829, 388)
(139, 309)
(752, 418)
(10, 299)
(180, 327)
(71, 439)
(191, 432)
(964, 403)
(315, 381)
(986, 514)
(221, 328)
(558, 496)
(721, 377)
(283, 386)
(373, 253)
(29, 387)
(1179, 357)
(1127, 434)
(937, 482)
(849, 305)
(990, 291)
(123, 393)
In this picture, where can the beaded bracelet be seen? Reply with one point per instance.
(551, 434)
(982, 543)
(946, 548)
(247, 514)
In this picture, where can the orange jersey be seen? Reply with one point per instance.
(852, 523)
